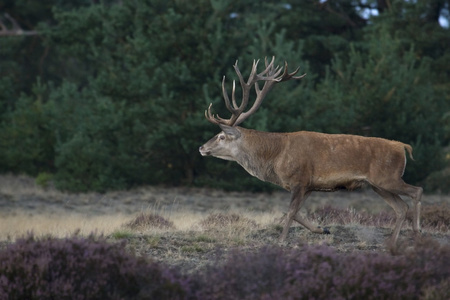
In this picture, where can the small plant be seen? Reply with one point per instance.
(205, 239)
(44, 179)
(121, 234)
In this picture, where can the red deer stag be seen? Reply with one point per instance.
(303, 162)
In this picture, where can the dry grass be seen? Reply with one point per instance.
(12, 227)
(202, 221)
(146, 222)
(13, 185)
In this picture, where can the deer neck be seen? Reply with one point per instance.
(258, 153)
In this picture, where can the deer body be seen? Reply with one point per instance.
(303, 162)
(317, 161)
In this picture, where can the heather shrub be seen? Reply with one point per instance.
(149, 220)
(323, 273)
(82, 268)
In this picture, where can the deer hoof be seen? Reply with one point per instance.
(325, 230)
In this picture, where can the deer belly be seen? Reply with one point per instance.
(337, 181)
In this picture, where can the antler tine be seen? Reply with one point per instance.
(233, 109)
(252, 75)
(246, 86)
(271, 71)
(269, 68)
(209, 116)
(216, 119)
(286, 76)
(225, 96)
(233, 98)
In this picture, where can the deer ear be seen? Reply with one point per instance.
(231, 131)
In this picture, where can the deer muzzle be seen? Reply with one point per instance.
(203, 151)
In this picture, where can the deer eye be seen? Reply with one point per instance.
(221, 137)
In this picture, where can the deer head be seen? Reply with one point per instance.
(223, 145)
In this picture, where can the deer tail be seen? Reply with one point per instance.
(410, 150)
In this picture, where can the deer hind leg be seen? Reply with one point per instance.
(415, 193)
(400, 207)
(417, 207)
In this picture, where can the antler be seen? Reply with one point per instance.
(270, 75)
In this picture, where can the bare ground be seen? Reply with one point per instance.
(191, 244)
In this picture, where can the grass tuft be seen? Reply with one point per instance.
(150, 220)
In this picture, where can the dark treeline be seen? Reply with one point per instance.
(102, 95)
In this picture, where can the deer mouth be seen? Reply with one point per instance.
(204, 152)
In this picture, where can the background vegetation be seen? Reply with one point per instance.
(102, 95)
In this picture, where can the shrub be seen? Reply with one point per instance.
(144, 220)
(323, 273)
(219, 220)
(82, 268)
(44, 179)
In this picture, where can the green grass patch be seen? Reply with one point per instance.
(122, 234)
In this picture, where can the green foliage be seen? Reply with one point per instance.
(112, 94)
(44, 179)
(26, 141)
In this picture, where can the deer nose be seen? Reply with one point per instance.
(203, 152)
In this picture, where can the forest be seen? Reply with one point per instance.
(107, 95)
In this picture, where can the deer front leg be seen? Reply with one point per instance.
(297, 200)
(316, 229)
(298, 197)
(310, 226)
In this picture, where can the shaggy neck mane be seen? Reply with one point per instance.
(269, 144)
(258, 160)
